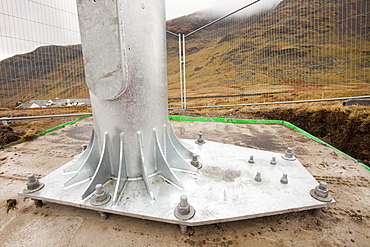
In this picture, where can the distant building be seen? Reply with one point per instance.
(34, 105)
(24, 106)
(41, 102)
(72, 102)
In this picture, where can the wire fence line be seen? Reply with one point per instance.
(300, 51)
(45, 67)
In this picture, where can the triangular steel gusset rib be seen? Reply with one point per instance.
(94, 164)
(75, 166)
(144, 172)
(173, 156)
(163, 169)
(122, 173)
(89, 163)
(103, 172)
(178, 144)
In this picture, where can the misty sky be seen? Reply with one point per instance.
(28, 24)
(177, 8)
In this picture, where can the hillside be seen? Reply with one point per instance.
(301, 49)
(45, 73)
(298, 50)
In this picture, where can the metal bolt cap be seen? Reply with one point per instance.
(258, 177)
(284, 179)
(251, 159)
(200, 139)
(321, 192)
(273, 161)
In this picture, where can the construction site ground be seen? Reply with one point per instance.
(345, 224)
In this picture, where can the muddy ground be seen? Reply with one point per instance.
(345, 224)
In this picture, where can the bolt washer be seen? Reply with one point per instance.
(187, 216)
(329, 198)
(94, 202)
(28, 191)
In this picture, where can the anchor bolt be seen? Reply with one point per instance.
(184, 211)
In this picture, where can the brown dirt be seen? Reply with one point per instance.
(8, 135)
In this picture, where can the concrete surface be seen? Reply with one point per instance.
(345, 224)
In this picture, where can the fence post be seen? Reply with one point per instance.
(180, 64)
(184, 70)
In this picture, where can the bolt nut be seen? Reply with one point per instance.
(184, 206)
(33, 184)
(258, 177)
(195, 161)
(284, 179)
(84, 147)
(251, 159)
(184, 211)
(289, 155)
(100, 196)
(322, 189)
(321, 192)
